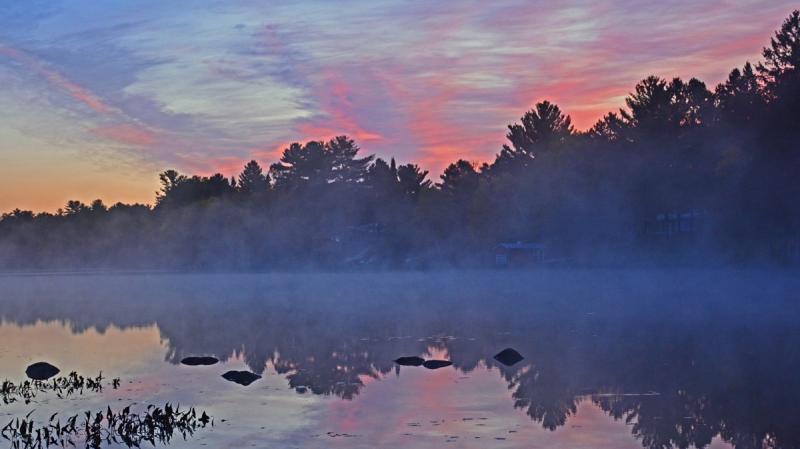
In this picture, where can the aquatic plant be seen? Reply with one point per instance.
(154, 425)
(62, 386)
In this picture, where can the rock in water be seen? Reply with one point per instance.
(436, 364)
(508, 357)
(41, 371)
(197, 361)
(241, 377)
(410, 361)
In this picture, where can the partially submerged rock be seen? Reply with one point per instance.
(508, 357)
(41, 371)
(410, 361)
(241, 377)
(200, 361)
(436, 364)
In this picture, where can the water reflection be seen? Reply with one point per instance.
(682, 358)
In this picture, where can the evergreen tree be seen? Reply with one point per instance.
(252, 179)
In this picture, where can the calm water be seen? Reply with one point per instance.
(612, 359)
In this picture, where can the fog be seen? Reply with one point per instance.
(651, 346)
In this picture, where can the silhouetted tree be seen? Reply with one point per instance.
(739, 99)
(169, 180)
(252, 179)
(381, 177)
(611, 128)
(345, 166)
(459, 179)
(75, 207)
(781, 67)
(187, 191)
(659, 109)
(540, 129)
(97, 206)
(319, 164)
(300, 166)
(412, 180)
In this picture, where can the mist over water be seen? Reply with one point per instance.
(638, 358)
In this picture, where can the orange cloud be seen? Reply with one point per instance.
(206, 166)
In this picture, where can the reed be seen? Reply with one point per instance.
(154, 425)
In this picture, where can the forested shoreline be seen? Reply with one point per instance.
(684, 174)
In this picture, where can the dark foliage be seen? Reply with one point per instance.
(63, 386)
(154, 425)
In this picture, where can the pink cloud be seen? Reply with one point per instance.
(77, 92)
(340, 110)
(126, 134)
(424, 109)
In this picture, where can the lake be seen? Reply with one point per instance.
(612, 359)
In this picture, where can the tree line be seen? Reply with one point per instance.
(681, 174)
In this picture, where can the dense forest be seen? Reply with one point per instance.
(682, 175)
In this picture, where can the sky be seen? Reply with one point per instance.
(97, 98)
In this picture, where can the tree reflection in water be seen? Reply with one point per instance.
(683, 358)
